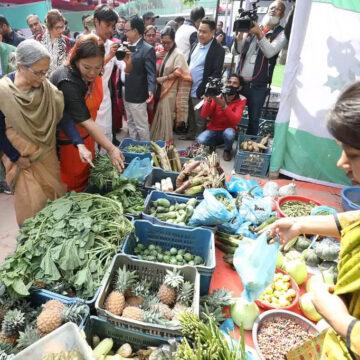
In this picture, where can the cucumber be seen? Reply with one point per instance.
(162, 202)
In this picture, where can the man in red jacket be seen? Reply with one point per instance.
(225, 112)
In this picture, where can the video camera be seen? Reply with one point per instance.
(121, 51)
(244, 22)
(215, 87)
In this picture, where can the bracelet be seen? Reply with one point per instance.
(112, 150)
(337, 222)
(348, 334)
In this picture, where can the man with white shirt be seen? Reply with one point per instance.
(105, 19)
(258, 51)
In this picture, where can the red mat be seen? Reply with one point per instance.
(225, 277)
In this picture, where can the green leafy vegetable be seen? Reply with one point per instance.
(139, 149)
(68, 245)
(104, 174)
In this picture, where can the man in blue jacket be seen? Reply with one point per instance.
(141, 82)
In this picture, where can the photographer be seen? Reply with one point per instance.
(225, 113)
(258, 51)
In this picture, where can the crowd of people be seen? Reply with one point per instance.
(70, 95)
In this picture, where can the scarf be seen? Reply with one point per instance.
(348, 283)
(33, 115)
(57, 50)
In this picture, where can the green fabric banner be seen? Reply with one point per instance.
(352, 5)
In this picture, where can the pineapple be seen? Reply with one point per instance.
(6, 347)
(54, 304)
(115, 301)
(27, 337)
(154, 316)
(51, 319)
(168, 290)
(133, 313)
(140, 291)
(14, 321)
(163, 309)
(8, 339)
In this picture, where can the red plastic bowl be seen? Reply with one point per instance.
(292, 198)
(294, 303)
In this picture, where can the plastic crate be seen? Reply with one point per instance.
(253, 163)
(39, 297)
(66, 337)
(130, 155)
(158, 174)
(197, 241)
(120, 336)
(155, 273)
(154, 195)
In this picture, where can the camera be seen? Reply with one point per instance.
(214, 87)
(244, 21)
(121, 51)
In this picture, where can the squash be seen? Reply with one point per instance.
(327, 251)
(302, 243)
(310, 257)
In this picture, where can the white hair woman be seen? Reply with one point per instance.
(30, 110)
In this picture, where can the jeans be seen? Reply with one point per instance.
(255, 96)
(213, 138)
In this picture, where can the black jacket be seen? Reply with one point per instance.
(142, 78)
(214, 62)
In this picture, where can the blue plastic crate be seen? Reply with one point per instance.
(198, 242)
(350, 198)
(105, 329)
(158, 174)
(40, 297)
(130, 155)
(253, 163)
(154, 195)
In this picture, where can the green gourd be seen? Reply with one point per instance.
(302, 243)
(311, 259)
(327, 251)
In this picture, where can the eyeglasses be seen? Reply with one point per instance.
(150, 35)
(127, 30)
(39, 73)
(166, 43)
(276, 8)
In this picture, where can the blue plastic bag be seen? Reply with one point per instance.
(237, 184)
(255, 262)
(256, 210)
(243, 229)
(138, 169)
(211, 211)
(231, 226)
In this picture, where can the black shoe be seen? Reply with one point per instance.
(227, 155)
(212, 149)
(4, 188)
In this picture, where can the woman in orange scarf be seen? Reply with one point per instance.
(81, 85)
(340, 304)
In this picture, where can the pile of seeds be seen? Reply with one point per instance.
(297, 208)
(280, 335)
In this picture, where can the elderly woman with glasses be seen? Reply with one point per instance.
(31, 108)
(55, 42)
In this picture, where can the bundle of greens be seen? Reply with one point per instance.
(129, 194)
(208, 342)
(104, 174)
(71, 242)
(139, 149)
